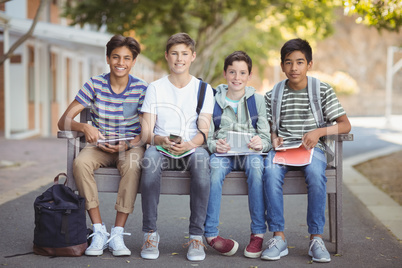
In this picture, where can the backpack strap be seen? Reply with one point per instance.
(252, 110)
(201, 96)
(313, 89)
(276, 101)
(314, 96)
(202, 89)
(65, 226)
(217, 116)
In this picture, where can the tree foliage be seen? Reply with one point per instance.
(218, 26)
(383, 15)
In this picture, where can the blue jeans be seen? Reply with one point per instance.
(220, 167)
(316, 191)
(153, 164)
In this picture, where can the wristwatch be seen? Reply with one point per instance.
(129, 146)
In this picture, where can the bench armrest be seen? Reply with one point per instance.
(341, 137)
(67, 134)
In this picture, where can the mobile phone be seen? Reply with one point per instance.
(175, 138)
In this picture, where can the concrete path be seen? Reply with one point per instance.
(372, 225)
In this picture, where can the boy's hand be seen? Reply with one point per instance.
(179, 148)
(277, 141)
(166, 143)
(310, 139)
(92, 134)
(255, 143)
(222, 146)
(175, 148)
(121, 146)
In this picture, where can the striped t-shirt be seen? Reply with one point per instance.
(296, 118)
(114, 114)
(232, 103)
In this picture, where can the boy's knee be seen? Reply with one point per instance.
(201, 182)
(316, 181)
(79, 166)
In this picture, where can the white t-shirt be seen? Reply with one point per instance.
(175, 108)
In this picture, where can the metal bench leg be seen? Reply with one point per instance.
(339, 219)
(71, 147)
(332, 217)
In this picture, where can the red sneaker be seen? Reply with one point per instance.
(254, 248)
(227, 247)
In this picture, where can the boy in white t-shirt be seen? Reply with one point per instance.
(170, 108)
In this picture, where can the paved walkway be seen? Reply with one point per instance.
(26, 165)
(372, 221)
(382, 206)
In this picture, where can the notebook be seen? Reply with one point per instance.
(294, 157)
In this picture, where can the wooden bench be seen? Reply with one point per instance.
(178, 182)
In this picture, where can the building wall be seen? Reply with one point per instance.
(1, 90)
(46, 73)
(32, 6)
(18, 95)
(18, 8)
(2, 8)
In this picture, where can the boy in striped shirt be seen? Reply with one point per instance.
(115, 99)
(297, 122)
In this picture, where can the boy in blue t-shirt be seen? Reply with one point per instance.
(115, 99)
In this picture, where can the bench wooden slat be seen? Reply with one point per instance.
(178, 182)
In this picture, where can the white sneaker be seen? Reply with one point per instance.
(150, 249)
(99, 240)
(116, 242)
(195, 248)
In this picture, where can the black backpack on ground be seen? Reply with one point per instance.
(60, 222)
